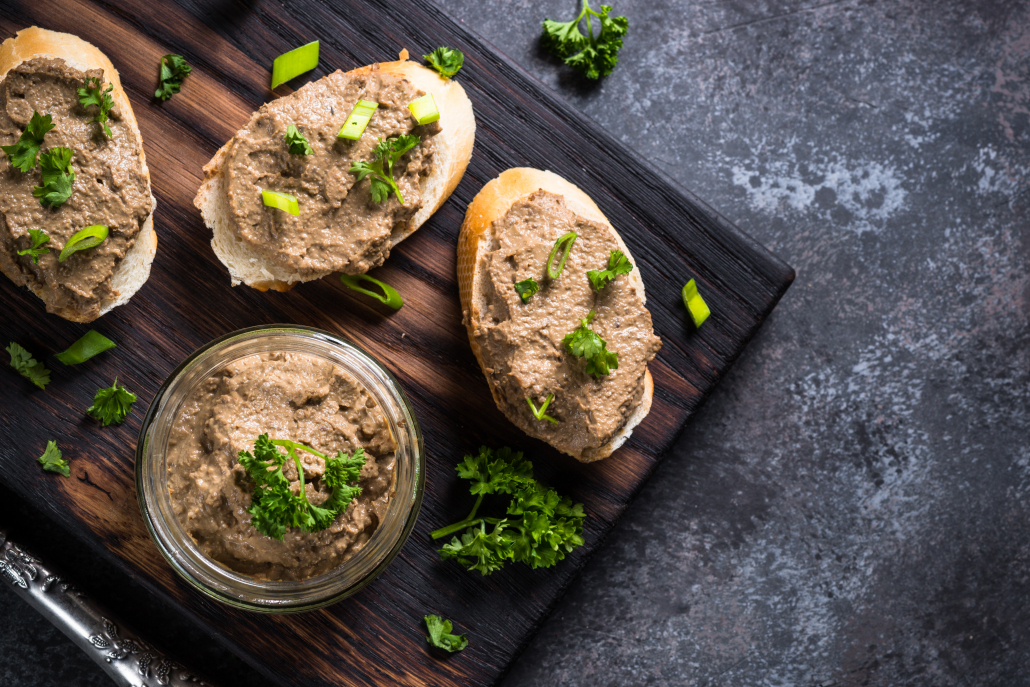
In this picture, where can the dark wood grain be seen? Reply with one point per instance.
(374, 637)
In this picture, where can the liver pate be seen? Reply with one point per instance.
(110, 188)
(521, 344)
(339, 228)
(289, 396)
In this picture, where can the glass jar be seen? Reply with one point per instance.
(245, 591)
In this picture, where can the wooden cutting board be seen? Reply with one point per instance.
(375, 637)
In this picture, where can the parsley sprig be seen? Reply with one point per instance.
(111, 404)
(27, 366)
(58, 177)
(23, 153)
(441, 637)
(526, 288)
(590, 55)
(93, 93)
(618, 264)
(53, 461)
(540, 526)
(172, 72)
(584, 342)
(447, 61)
(296, 141)
(38, 238)
(275, 506)
(380, 170)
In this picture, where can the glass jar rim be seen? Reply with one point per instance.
(246, 591)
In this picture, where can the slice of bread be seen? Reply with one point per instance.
(453, 151)
(491, 204)
(134, 269)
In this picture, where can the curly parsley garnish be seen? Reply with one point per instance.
(590, 55)
(58, 177)
(541, 412)
(23, 153)
(584, 342)
(173, 72)
(93, 93)
(53, 461)
(112, 404)
(296, 142)
(28, 367)
(274, 505)
(540, 526)
(526, 288)
(38, 237)
(380, 170)
(440, 635)
(617, 264)
(447, 61)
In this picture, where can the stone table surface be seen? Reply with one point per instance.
(852, 505)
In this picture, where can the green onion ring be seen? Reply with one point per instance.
(390, 297)
(281, 201)
(699, 311)
(89, 345)
(568, 240)
(294, 63)
(89, 237)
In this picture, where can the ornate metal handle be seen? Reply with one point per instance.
(129, 660)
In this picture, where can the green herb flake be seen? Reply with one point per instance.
(93, 93)
(593, 56)
(540, 527)
(296, 142)
(38, 238)
(526, 288)
(112, 404)
(172, 72)
(23, 153)
(58, 177)
(275, 507)
(27, 366)
(583, 342)
(90, 344)
(380, 169)
(52, 460)
(618, 264)
(441, 637)
(447, 61)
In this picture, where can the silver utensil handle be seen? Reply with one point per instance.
(129, 660)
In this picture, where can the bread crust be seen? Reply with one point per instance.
(453, 152)
(134, 269)
(491, 203)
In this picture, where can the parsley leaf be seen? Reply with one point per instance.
(526, 288)
(618, 264)
(274, 506)
(540, 528)
(440, 635)
(173, 72)
(296, 142)
(387, 153)
(28, 367)
(112, 404)
(590, 55)
(51, 460)
(39, 237)
(23, 153)
(58, 176)
(93, 93)
(447, 61)
(583, 342)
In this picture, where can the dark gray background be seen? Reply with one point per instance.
(851, 506)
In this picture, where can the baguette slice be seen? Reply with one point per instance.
(492, 203)
(453, 151)
(134, 269)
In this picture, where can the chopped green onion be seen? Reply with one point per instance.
(281, 201)
(358, 120)
(86, 238)
(699, 311)
(424, 109)
(539, 413)
(568, 240)
(390, 296)
(526, 288)
(294, 63)
(89, 345)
